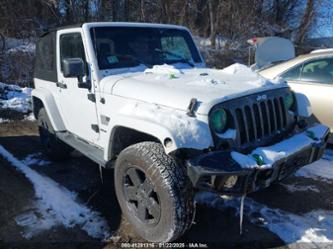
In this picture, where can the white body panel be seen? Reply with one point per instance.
(48, 96)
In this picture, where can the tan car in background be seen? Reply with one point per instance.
(312, 75)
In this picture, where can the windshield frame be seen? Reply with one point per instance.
(194, 52)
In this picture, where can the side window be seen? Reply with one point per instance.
(175, 45)
(292, 74)
(45, 63)
(318, 71)
(46, 53)
(71, 46)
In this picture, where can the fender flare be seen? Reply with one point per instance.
(46, 97)
(159, 131)
(303, 105)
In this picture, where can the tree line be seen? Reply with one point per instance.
(233, 19)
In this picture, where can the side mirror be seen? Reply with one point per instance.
(74, 67)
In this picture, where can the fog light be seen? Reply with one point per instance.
(230, 182)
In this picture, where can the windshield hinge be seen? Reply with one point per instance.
(95, 128)
(91, 97)
(191, 107)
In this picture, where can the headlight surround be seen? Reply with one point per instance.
(289, 100)
(218, 120)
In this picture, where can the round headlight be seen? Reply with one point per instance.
(219, 120)
(289, 100)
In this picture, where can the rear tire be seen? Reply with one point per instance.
(53, 147)
(154, 192)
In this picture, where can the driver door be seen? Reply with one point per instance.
(79, 112)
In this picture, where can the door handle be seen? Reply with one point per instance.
(61, 85)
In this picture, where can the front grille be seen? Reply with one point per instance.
(257, 122)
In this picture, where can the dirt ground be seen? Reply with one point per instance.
(214, 227)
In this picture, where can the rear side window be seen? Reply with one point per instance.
(320, 71)
(45, 64)
(71, 46)
(292, 74)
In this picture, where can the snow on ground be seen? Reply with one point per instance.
(15, 98)
(297, 188)
(314, 227)
(14, 45)
(35, 159)
(320, 170)
(30, 117)
(56, 204)
(4, 120)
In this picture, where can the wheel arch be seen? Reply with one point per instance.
(163, 133)
(122, 137)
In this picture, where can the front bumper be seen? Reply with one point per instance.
(217, 171)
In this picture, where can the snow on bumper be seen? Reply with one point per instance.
(232, 172)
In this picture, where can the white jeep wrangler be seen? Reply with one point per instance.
(138, 98)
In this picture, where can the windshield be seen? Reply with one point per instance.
(119, 47)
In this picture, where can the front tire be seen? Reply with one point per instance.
(54, 148)
(154, 192)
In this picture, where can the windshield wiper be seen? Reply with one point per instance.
(180, 58)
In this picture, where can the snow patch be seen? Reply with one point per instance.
(124, 70)
(228, 134)
(312, 227)
(20, 45)
(238, 68)
(319, 170)
(35, 159)
(62, 204)
(245, 161)
(162, 69)
(36, 221)
(30, 117)
(4, 120)
(299, 188)
(206, 81)
(283, 149)
(15, 98)
(244, 71)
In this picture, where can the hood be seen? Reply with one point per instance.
(168, 86)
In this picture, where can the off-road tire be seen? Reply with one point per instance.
(171, 189)
(54, 148)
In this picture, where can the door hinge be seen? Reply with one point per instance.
(61, 85)
(95, 128)
(91, 97)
